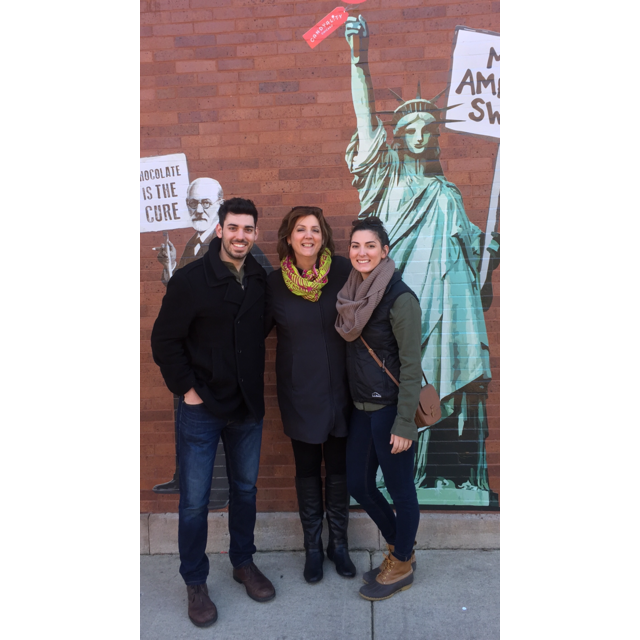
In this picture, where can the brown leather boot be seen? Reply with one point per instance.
(202, 612)
(258, 586)
(370, 576)
(394, 576)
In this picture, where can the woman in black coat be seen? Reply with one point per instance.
(313, 392)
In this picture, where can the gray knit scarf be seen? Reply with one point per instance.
(358, 299)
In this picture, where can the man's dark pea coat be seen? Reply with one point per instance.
(209, 335)
(311, 370)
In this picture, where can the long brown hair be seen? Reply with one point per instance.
(289, 222)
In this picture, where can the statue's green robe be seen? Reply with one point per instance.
(437, 250)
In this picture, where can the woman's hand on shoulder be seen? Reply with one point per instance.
(399, 444)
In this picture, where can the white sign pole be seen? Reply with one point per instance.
(492, 220)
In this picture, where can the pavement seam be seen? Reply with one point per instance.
(373, 631)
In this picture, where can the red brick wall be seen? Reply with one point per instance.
(232, 84)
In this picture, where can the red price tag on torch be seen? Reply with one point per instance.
(326, 26)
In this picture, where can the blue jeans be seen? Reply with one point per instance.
(367, 448)
(199, 433)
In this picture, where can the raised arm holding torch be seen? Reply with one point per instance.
(357, 35)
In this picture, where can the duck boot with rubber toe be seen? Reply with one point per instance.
(394, 576)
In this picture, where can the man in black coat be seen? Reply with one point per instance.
(204, 197)
(208, 340)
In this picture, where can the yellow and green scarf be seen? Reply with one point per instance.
(307, 284)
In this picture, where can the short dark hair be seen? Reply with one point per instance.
(239, 206)
(373, 224)
(289, 222)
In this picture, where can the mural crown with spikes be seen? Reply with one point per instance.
(419, 105)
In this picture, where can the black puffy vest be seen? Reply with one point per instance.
(367, 381)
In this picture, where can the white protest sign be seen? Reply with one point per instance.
(164, 181)
(475, 83)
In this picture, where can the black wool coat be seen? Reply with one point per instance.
(209, 335)
(313, 391)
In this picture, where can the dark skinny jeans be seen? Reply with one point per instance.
(367, 448)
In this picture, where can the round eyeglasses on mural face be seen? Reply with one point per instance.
(205, 203)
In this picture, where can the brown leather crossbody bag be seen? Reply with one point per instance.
(428, 411)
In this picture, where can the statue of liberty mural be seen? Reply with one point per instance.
(438, 251)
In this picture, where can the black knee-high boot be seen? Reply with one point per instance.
(337, 505)
(310, 508)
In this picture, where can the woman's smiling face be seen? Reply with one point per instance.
(306, 238)
(366, 251)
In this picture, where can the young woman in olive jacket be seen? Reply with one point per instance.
(311, 379)
(377, 306)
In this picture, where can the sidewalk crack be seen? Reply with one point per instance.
(372, 612)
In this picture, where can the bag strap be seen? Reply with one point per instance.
(379, 363)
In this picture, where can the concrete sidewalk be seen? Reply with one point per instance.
(455, 596)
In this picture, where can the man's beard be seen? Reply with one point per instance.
(232, 251)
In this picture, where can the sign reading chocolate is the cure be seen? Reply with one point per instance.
(164, 181)
(326, 26)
